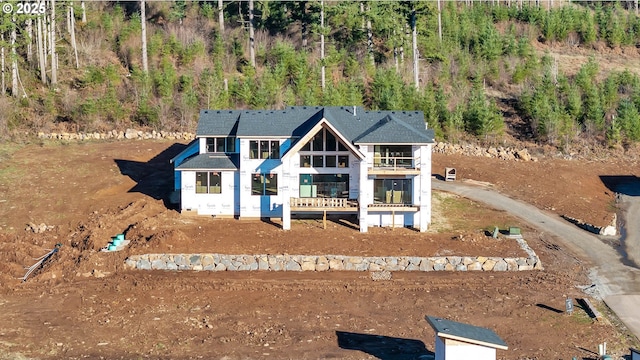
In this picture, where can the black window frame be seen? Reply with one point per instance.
(210, 176)
(264, 149)
(262, 189)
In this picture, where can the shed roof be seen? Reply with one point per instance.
(354, 123)
(464, 332)
(211, 162)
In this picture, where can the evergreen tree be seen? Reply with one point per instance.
(482, 117)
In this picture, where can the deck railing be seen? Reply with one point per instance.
(322, 202)
(395, 162)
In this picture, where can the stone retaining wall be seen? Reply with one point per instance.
(118, 135)
(221, 262)
(491, 152)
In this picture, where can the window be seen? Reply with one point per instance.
(221, 144)
(317, 141)
(253, 149)
(264, 149)
(275, 150)
(317, 161)
(330, 161)
(264, 184)
(393, 156)
(231, 144)
(305, 160)
(324, 140)
(343, 161)
(324, 185)
(392, 191)
(208, 183)
(330, 141)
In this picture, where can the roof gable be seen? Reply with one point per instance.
(465, 332)
(307, 137)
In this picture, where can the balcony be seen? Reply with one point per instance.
(323, 204)
(389, 165)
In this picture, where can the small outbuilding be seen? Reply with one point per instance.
(635, 354)
(458, 341)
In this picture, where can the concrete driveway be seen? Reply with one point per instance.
(617, 284)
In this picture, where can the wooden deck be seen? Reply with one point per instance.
(323, 204)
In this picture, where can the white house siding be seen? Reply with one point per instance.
(449, 349)
(423, 217)
(421, 192)
(254, 206)
(222, 204)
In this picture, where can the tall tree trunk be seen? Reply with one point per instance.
(14, 59)
(322, 69)
(30, 40)
(42, 63)
(69, 18)
(3, 88)
(54, 58)
(305, 26)
(252, 41)
(415, 47)
(370, 36)
(84, 12)
(439, 21)
(72, 23)
(221, 16)
(395, 53)
(143, 25)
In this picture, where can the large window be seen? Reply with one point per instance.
(324, 185)
(393, 156)
(208, 182)
(324, 140)
(264, 149)
(221, 145)
(318, 161)
(392, 191)
(264, 184)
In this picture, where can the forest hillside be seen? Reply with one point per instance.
(557, 74)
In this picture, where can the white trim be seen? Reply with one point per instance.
(471, 341)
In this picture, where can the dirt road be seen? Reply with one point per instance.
(617, 283)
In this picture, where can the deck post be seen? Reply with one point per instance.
(286, 197)
(324, 219)
(393, 219)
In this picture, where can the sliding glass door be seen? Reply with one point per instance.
(392, 191)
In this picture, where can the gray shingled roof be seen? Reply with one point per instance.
(218, 123)
(211, 162)
(447, 328)
(390, 129)
(406, 127)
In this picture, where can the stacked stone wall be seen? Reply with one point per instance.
(118, 135)
(265, 262)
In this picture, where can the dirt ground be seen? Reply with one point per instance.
(84, 304)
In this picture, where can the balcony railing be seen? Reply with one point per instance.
(395, 162)
(323, 202)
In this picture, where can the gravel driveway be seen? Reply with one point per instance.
(617, 284)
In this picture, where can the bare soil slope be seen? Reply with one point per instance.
(83, 304)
